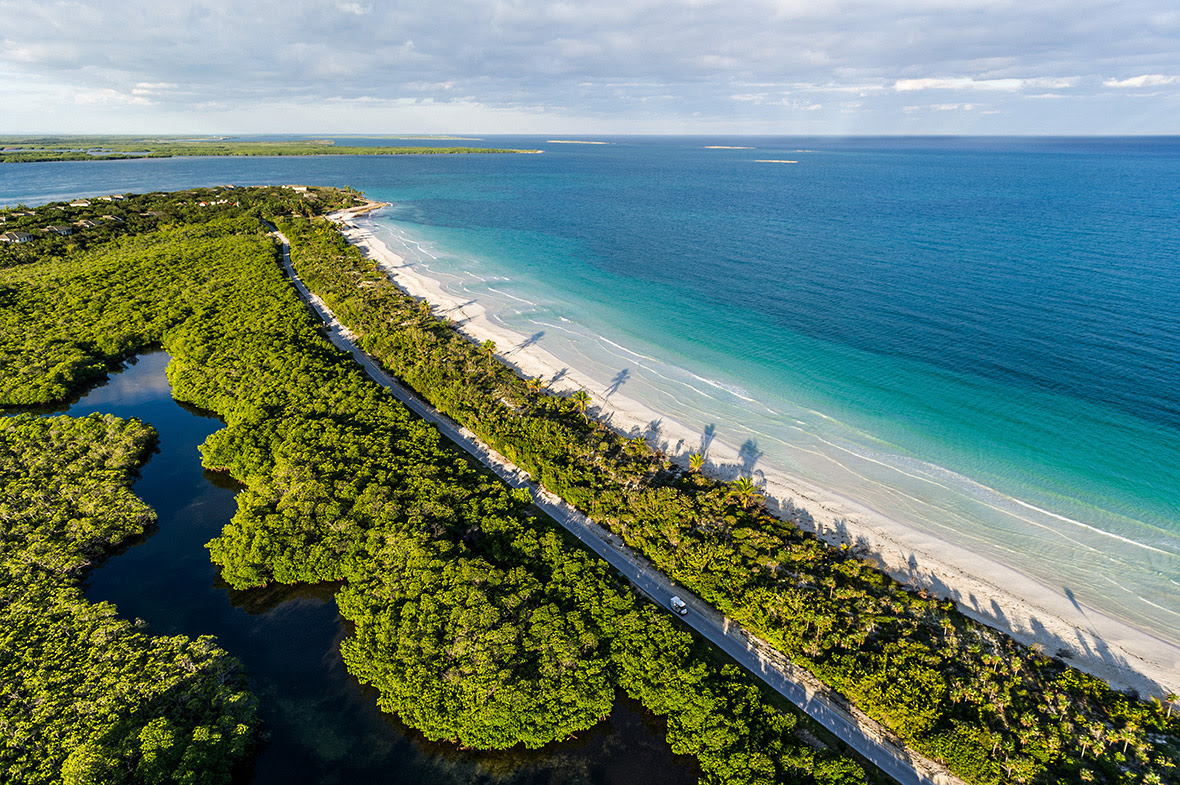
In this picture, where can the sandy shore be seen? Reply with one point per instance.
(1026, 608)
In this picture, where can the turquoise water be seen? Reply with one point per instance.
(978, 338)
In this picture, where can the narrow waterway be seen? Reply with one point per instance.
(321, 725)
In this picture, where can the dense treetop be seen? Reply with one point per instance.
(90, 697)
(475, 621)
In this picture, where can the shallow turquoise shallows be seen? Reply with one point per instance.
(977, 337)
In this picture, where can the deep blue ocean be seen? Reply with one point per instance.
(979, 338)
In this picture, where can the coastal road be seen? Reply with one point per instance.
(797, 685)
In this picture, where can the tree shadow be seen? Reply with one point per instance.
(457, 307)
(1085, 649)
(262, 600)
(532, 340)
(618, 381)
(748, 455)
(707, 437)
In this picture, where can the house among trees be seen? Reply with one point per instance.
(86, 223)
(15, 237)
(117, 219)
(64, 231)
(80, 203)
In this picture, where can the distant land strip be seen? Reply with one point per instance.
(17, 150)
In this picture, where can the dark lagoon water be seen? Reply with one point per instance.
(322, 726)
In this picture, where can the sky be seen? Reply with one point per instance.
(605, 67)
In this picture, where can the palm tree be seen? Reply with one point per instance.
(534, 384)
(488, 349)
(424, 309)
(746, 492)
(696, 462)
(581, 399)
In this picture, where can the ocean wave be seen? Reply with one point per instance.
(952, 481)
(506, 294)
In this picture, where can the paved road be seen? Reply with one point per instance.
(797, 685)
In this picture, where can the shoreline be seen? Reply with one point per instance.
(990, 592)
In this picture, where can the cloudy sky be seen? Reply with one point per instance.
(600, 66)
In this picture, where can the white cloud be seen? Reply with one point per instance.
(968, 83)
(107, 96)
(622, 64)
(954, 83)
(148, 89)
(909, 109)
(1146, 80)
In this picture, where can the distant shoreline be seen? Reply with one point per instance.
(988, 591)
(51, 149)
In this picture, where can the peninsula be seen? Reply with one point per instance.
(476, 621)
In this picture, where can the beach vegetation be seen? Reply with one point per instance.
(746, 493)
(993, 710)
(580, 400)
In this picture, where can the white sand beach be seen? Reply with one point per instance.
(1028, 609)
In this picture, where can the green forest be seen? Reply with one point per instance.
(88, 696)
(476, 622)
(993, 710)
(68, 148)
